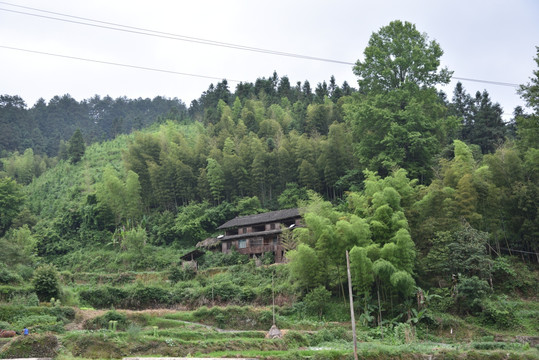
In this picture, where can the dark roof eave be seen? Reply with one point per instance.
(272, 216)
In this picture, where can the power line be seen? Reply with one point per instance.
(154, 33)
(487, 82)
(118, 64)
(148, 32)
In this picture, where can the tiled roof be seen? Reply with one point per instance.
(269, 217)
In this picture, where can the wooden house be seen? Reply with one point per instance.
(257, 234)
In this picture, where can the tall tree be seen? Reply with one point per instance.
(216, 179)
(76, 147)
(398, 56)
(528, 125)
(398, 122)
(488, 129)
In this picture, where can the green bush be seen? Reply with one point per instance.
(141, 297)
(295, 339)
(46, 282)
(510, 274)
(330, 335)
(498, 312)
(223, 291)
(9, 277)
(471, 291)
(188, 292)
(103, 322)
(179, 273)
(317, 301)
(103, 297)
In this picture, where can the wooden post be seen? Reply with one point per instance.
(351, 306)
(273, 298)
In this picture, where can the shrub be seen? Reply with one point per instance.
(8, 277)
(46, 282)
(510, 274)
(103, 322)
(103, 297)
(470, 293)
(295, 339)
(188, 292)
(222, 291)
(148, 296)
(317, 300)
(498, 312)
(178, 273)
(135, 239)
(330, 335)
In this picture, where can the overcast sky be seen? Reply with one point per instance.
(487, 40)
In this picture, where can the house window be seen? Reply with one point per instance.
(256, 242)
(242, 244)
(272, 226)
(244, 230)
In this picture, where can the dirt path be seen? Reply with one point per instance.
(81, 316)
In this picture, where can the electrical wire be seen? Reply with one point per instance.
(149, 32)
(118, 64)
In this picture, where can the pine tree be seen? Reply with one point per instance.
(76, 147)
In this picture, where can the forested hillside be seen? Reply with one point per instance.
(46, 126)
(417, 184)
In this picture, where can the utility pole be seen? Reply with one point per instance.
(351, 305)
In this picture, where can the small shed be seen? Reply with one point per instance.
(212, 244)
